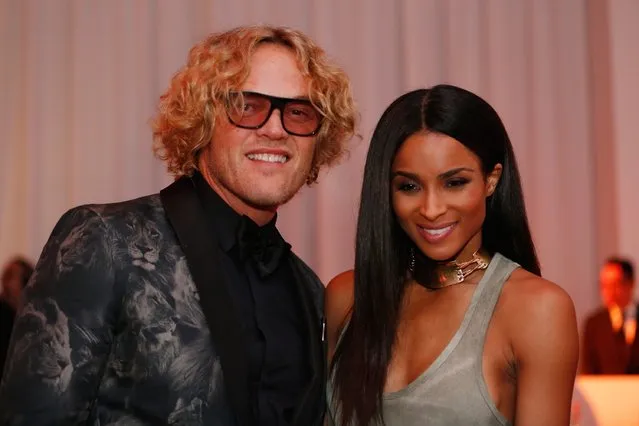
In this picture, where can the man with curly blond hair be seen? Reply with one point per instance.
(188, 307)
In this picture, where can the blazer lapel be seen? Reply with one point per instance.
(311, 406)
(186, 215)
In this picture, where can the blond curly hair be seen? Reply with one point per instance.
(219, 65)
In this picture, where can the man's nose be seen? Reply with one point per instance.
(273, 128)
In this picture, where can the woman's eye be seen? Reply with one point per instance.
(407, 187)
(454, 183)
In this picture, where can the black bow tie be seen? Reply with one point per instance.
(265, 246)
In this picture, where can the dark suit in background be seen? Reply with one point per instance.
(605, 351)
(7, 314)
(14, 278)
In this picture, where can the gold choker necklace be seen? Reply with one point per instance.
(456, 272)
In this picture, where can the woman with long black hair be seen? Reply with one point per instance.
(445, 319)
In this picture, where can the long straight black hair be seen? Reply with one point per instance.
(382, 249)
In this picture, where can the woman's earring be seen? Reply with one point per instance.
(411, 261)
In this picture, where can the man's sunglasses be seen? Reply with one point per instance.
(251, 110)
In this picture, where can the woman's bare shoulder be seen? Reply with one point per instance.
(338, 304)
(524, 287)
(537, 309)
(339, 295)
(342, 282)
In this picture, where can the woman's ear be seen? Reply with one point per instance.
(493, 179)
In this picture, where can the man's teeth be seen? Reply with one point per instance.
(270, 158)
(437, 232)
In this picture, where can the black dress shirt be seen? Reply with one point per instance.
(270, 314)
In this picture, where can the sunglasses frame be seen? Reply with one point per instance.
(279, 104)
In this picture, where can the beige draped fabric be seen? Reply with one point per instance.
(79, 80)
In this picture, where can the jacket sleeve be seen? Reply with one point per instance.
(63, 332)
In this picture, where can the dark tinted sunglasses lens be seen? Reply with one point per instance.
(250, 113)
(301, 118)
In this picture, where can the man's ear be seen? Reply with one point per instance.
(492, 179)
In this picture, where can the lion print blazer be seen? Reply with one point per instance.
(126, 322)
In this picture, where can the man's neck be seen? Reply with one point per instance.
(260, 216)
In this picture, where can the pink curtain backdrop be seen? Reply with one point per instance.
(79, 80)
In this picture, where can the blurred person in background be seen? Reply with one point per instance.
(14, 278)
(610, 344)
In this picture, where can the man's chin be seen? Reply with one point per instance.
(269, 195)
(268, 200)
